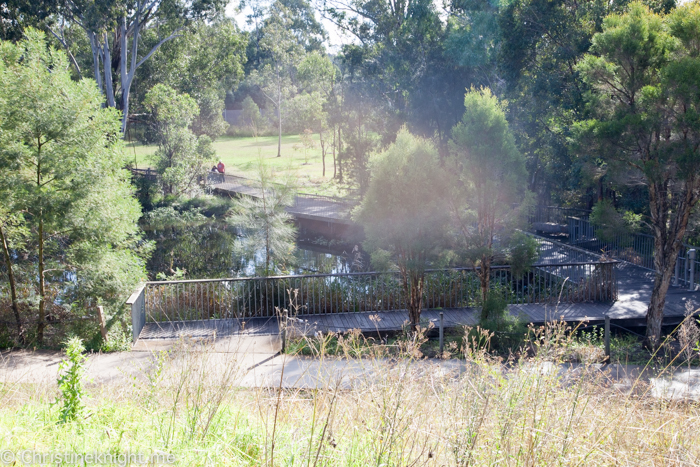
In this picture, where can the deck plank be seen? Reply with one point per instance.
(634, 291)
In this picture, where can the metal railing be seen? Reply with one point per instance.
(137, 304)
(318, 294)
(687, 272)
(554, 214)
(637, 249)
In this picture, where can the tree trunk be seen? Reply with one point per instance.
(655, 312)
(42, 299)
(96, 59)
(279, 137)
(484, 273)
(416, 301)
(279, 115)
(13, 286)
(323, 152)
(107, 65)
(340, 159)
(665, 257)
(413, 289)
(668, 239)
(335, 171)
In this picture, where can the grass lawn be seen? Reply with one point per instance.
(476, 411)
(240, 154)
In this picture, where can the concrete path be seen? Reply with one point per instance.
(24, 366)
(271, 370)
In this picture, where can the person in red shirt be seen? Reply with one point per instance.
(221, 167)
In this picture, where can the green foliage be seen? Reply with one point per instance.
(316, 73)
(62, 167)
(71, 375)
(490, 179)
(118, 340)
(611, 223)
(643, 74)
(191, 237)
(182, 158)
(494, 308)
(251, 116)
(522, 254)
(205, 61)
(282, 55)
(402, 211)
(267, 224)
(305, 111)
(541, 42)
(167, 217)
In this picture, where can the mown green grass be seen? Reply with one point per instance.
(240, 155)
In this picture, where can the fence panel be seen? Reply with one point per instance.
(372, 291)
(554, 214)
(637, 249)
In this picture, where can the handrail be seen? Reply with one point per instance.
(368, 273)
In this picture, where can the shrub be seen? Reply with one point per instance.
(71, 373)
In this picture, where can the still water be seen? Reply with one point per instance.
(209, 251)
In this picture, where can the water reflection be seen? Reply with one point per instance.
(209, 250)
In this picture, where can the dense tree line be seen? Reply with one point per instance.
(588, 128)
(403, 62)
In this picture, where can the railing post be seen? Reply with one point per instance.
(677, 271)
(137, 302)
(607, 337)
(691, 260)
(442, 342)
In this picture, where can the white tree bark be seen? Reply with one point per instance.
(129, 26)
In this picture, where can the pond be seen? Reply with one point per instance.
(209, 250)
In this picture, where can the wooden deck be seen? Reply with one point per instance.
(634, 285)
(305, 206)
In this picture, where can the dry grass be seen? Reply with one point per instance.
(395, 412)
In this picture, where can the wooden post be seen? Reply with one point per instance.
(607, 337)
(101, 320)
(284, 330)
(442, 342)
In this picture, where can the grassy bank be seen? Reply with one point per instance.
(409, 412)
(239, 154)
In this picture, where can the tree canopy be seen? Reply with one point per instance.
(491, 180)
(402, 212)
(62, 176)
(645, 102)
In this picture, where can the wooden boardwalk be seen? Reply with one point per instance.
(305, 206)
(634, 285)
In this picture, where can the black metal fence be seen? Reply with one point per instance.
(317, 294)
(637, 249)
(554, 214)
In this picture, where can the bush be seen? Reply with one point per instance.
(117, 340)
(494, 308)
(71, 373)
(508, 331)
